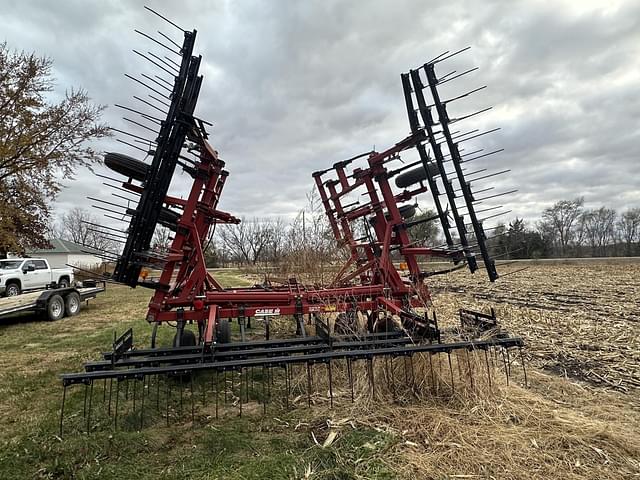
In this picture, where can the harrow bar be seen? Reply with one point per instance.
(281, 360)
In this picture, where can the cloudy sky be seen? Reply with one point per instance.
(292, 87)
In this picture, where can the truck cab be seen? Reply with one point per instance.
(21, 274)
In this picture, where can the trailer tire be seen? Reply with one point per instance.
(223, 331)
(13, 289)
(72, 304)
(55, 308)
(416, 175)
(126, 165)
(63, 283)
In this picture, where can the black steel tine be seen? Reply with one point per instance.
(154, 40)
(504, 361)
(135, 388)
(168, 385)
(165, 19)
(149, 104)
(181, 397)
(217, 383)
(264, 391)
(466, 351)
(482, 156)
(140, 125)
(132, 145)
(330, 384)
(459, 75)
(164, 80)
(145, 85)
(413, 373)
(495, 196)
(350, 376)
(64, 398)
(135, 200)
(170, 60)
(508, 360)
(157, 392)
(224, 380)
(444, 77)
(433, 377)
(406, 374)
(110, 390)
(372, 380)
(240, 393)
(115, 424)
(157, 82)
(486, 359)
(453, 387)
(142, 114)
(514, 271)
(459, 119)
(105, 202)
(436, 58)
(450, 55)
(246, 389)
(142, 402)
(470, 92)
(107, 177)
(104, 391)
(495, 174)
(84, 408)
(165, 62)
(524, 369)
(193, 414)
(131, 135)
(170, 39)
(309, 384)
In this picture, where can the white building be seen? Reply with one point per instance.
(64, 252)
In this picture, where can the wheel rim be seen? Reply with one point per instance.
(56, 308)
(12, 291)
(73, 304)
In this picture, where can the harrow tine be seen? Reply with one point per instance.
(524, 369)
(193, 419)
(486, 360)
(147, 86)
(466, 352)
(149, 104)
(504, 361)
(115, 424)
(217, 401)
(157, 392)
(165, 19)
(264, 391)
(132, 146)
(350, 376)
(433, 377)
(240, 393)
(89, 412)
(64, 398)
(168, 386)
(329, 370)
(142, 402)
(110, 390)
(84, 408)
(453, 385)
(158, 42)
(372, 380)
(458, 76)
(508, 360)
(309, 373)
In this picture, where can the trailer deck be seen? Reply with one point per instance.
(38, 301)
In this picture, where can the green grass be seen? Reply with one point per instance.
(255, 445)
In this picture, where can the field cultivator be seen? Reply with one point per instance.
(372, 310)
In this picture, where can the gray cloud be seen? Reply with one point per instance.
(292, 87)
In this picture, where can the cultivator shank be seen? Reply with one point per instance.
(372, 309)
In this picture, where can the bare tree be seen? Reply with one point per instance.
(161, 240)
(81, 226)
(251, 241)
(560, 220)
(629, 228)
(599, 228)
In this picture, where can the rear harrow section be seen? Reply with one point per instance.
(371, 203)
(239, 373)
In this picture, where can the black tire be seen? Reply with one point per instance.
(223, 331)
(63, 283)
(126, 165)
(55, 308)
(416, 175)
(406, 211)
(188, 339)
(72, 304)
(12, 289)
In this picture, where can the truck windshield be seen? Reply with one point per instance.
(9, 264)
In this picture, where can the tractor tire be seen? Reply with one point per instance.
(126, 165)
(12, 289)
(55, 308)
(416, 175)
(223, 331)
(63, 283)
(72, 304)
(188, 339)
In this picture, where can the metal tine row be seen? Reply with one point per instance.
(230, 389)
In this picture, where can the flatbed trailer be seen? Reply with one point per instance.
(52, 304)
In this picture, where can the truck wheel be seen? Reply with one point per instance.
(55, 308)
(12, 289)
(72, 304)
(223, 331)
(63, 283)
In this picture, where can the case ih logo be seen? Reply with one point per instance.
(267, 311)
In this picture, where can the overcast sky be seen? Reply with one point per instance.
(292, 87)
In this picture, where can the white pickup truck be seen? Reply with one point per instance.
(19, 274)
